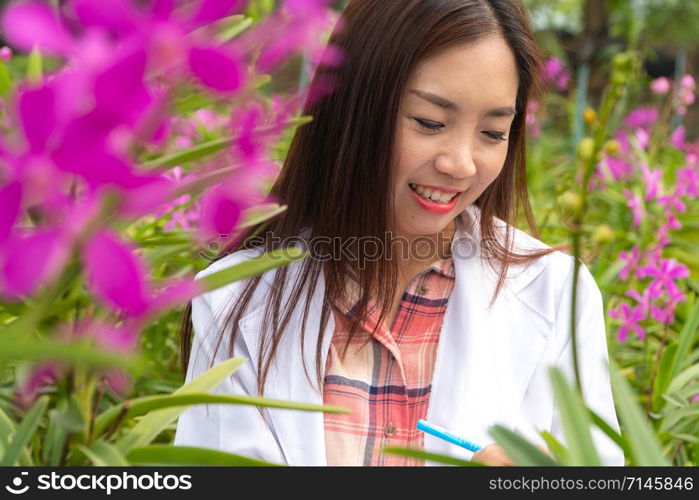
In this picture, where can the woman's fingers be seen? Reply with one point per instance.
(494, 454)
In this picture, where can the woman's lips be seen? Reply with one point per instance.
(432, 206)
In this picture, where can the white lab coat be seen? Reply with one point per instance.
(491, 365)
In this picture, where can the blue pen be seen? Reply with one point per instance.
(446, 435)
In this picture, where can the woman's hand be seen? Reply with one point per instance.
(493, 454)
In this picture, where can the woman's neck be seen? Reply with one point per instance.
(425, 251)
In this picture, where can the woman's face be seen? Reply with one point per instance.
(452, 132)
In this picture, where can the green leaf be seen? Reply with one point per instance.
(146, 404)
(252, 267)
(519, 449)
(235, 25)
(686, 338)
(675, 399)
(7, 427)
(554, 445)
(662, 380)
(267, 212)
(607, 429)
(5, 81)
(35, 71)
(104, 454)
(56, 435)
(686, 437)
(683, 378)
(191, 102)
(80, 353)
(71, 418)
(152, 424)
(259, 80)
(188, 455)
(575, 420)
(644, 446)
(425, 455)
(674, 417)
(611, 273)
(25, 431)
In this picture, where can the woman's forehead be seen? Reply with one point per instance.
(482, 72)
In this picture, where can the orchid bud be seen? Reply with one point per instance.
(586, 148)
(590, 116)
(570, 202)
(603, 234)
(612, 147)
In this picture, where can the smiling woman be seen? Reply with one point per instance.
(420, 146)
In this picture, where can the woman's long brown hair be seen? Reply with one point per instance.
(337, 172)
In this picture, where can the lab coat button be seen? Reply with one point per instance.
(389, 430)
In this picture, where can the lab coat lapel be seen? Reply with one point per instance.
(486, 357)
(300, 433)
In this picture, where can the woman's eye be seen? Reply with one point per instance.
(495, 135)
(428, 125)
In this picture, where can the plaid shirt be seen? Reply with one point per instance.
(386, 379)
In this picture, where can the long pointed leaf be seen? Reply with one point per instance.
(521, 451)
(683, 378)
(607, 429)
(189, 455)
(145, 404)
(25, 431)
(35, 66)
(686, 338)
(7, 427)
(426, 455)
(575, 420)
(559, 451)
(152, 424)
(662, 380)
(645, 448)
(104, 454)
(28, 349)
(252, 267)
(235, 26)
(672, 418)
(198, 152)
(5, 81)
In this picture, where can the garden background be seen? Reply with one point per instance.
(188, 108)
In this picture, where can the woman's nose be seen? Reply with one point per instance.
(458, 162)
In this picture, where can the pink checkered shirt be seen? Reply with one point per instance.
(385, 379)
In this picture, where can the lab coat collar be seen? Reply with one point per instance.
(485, 357)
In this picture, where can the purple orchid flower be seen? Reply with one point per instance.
(166, 32)
(642, 117)
(115, 274)
(665, 276)
(39, 376)
(629, 321)
(635, 203)
(632, 260)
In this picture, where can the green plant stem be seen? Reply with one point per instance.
(65, 449)
(119, 419)
(588, 168)
(654, 371)
(95, 407)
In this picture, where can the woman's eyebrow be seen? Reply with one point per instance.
(447, 104)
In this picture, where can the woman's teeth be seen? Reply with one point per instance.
(432, 194)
